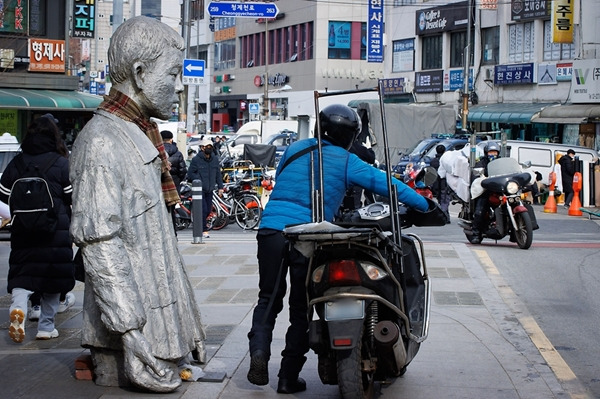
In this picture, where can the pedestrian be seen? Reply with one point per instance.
(40, 261)
(141, 319)
(567, 171)
(178, 169)
(440, 186)
(205, 167)
(290, 203)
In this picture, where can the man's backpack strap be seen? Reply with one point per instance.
(298, 155)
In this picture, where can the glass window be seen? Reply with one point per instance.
(490, 41)
(432, 52)
(339, 39)
(557, 51)
(521, 39)
(458, 42)
(225, 55)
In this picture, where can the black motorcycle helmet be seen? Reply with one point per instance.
(339, 125)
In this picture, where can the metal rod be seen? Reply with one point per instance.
(318, 197)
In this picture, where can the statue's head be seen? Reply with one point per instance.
(147, 56)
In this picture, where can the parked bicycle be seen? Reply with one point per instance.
(239, 202)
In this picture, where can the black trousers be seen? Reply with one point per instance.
(275, 259)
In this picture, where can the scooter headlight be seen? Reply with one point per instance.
(373, 272)
(512, 187)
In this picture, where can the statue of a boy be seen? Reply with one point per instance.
(140, 315)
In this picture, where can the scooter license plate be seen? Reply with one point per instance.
(345, 310)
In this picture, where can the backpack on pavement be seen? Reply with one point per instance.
(31, 204)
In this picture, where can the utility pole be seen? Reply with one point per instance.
(183, 96)
(266, 83)
(465, 96)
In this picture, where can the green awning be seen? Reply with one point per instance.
(38, 99)
(505, 112)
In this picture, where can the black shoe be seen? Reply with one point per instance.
(291, 386)
(259, 368)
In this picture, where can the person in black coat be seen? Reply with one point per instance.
(178, 166)
(567, 170)
(41, 262)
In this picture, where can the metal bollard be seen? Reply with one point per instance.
(197, 217)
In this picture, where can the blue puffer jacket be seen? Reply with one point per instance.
(290, 201)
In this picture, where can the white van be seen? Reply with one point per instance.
(543, 156)
(268, 127)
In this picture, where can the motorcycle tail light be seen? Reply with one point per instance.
(342, 342)
(512, 187)
(318, 274)
(373, 272)
(343, 272)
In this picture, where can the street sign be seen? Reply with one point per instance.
(253, 108)
(193, 72)
(242, 10)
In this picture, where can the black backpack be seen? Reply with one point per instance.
(31, 204)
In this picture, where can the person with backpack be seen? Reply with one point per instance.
(36, 186)
(178, 166)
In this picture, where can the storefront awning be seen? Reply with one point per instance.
(505, 112)
(569, 114)
(38, 99)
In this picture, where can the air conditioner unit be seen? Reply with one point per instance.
(489, 74)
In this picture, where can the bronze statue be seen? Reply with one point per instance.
(140, 316)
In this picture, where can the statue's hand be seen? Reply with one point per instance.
(143, 369)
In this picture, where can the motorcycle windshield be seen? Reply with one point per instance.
(503, 166)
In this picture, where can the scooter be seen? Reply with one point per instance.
(508, 214)
(368, 291)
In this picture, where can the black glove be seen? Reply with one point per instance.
(434, 216)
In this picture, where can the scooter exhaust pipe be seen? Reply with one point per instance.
(390, 347)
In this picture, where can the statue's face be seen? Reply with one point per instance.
(161, 85)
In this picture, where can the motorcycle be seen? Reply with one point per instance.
(420, 178)
(370, 292)
(183, 210)
(508, 214)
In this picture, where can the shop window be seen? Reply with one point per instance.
(557, 51)
(521, 42)
(431, 57)
(490, 43)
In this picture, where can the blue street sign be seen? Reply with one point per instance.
(254, 108)
(193, 68)
(193, 72)
(242, 10)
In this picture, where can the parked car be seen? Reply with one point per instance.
(281, 140)
(416, 154)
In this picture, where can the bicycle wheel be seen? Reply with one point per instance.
(219, 218)
(247, 211)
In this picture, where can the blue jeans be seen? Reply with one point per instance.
(275, 259)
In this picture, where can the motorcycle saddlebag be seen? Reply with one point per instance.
(534, 224)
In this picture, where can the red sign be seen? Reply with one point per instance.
(258, 81)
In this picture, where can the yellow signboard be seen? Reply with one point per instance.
(562, 21)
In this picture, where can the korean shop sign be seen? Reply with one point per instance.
(443, 18)
(375, 31)
(514, 74)
(14, 16)
(522, 10)
(84, 18)
(46, 55)
(562, 21)
(429, 82)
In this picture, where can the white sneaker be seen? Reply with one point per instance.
(47, 334)
(205, 235)
(67, 303)
(34, 314)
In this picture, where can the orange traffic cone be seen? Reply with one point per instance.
(550, 205)
(576, 202)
